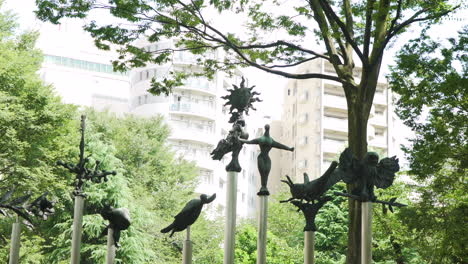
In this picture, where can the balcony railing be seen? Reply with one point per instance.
(193, 108)
(335, 101)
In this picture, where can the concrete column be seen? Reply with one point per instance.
(187, 249)
(15, 242)
(309, 247)
(77, 229)
(111, 249)
(366, 235)
(231, 211)
(262, 229)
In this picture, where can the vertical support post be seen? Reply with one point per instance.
(262, 230)
(111, 249)
(15, 242)
(77, 229)
(231, 213)
(366, 235)
(309, 247)
(187, 249)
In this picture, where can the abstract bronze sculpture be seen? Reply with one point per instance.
(240, 99)
(367, 173)
(310, 211)
(313, 190)
(189, 214)
(84, 174)
(41, 207)
(119, 219)
(266, 143)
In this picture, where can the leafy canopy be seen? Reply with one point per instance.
(431, 78)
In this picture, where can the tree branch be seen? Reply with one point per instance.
(367, 31)
(284, 43)
(329, 11)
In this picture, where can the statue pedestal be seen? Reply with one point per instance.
(262, 229)
(309, 247)
(77, 229)
(231, 211)
(366, 233)
(187, 249)
(110, 259)
(15, 242)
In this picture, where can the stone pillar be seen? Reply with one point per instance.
(111, 248)
(77, 229)
(366, 235)
(309, 247)
(187, 249)
(231, 214)
(15, 242)
(262, 230)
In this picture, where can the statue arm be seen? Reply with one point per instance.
(281, 146)
(253, 141)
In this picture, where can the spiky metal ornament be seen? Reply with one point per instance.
(240, 100)
(83, 173)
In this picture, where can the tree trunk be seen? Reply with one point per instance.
(357, 137)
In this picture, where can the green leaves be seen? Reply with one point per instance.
(431, 79)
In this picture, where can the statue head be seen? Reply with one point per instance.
(371, 158)
(206, 200)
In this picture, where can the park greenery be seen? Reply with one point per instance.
(346, 33)
(36, 130)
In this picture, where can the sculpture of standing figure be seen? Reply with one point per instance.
(266, 143)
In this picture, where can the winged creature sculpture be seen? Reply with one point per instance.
(188, 215)
(119, 219)
(366, 173)
(313, 190)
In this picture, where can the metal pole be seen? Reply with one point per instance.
(15, 242)
(77, 228)
(309, 247)
(231, 212)
(262, 230)
(366, 235)
(187, 250)
(110, 259)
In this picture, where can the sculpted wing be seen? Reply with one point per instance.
(221, 149)
(189, 209)
(386, 170)
(345, 168)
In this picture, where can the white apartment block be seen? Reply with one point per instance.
(83, 75)
(315, 122)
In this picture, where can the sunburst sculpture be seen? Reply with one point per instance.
(241, 99)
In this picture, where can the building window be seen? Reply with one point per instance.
(243, 197)
(289, 92)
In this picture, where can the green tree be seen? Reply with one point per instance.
(34, 129)
(431, 79)
(347, 29)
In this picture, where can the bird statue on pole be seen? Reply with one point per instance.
(188, 215)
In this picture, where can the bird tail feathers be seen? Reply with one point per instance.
(167, 229)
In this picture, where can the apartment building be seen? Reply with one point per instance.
(198, 120)
(314, 121)
(83, 75)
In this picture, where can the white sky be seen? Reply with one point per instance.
(269, 85)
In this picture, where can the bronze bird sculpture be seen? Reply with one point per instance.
(119, 219)
(188, 215)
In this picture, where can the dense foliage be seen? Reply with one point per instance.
(37, 130)
(431, 78)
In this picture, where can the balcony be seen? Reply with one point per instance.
(199, 84)
(334, 101)
(333, 146)
(380, 98)
(192, 132)
(195, 109)
(336, 125)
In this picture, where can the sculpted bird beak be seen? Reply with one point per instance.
(211, 198)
